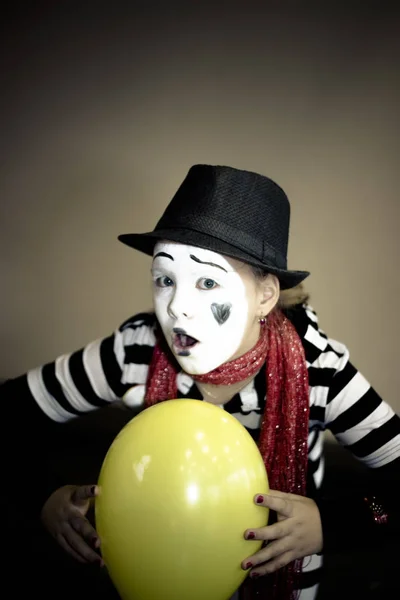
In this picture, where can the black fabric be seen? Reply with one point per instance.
(348, 521)
(35, 566)
(27, 439)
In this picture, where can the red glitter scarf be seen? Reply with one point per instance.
(284, 428)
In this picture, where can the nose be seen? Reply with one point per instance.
(179, 305)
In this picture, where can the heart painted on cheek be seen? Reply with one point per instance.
(221, 312)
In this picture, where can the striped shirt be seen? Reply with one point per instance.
(341, 399)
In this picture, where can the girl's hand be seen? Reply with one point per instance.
(64, 516)
(297, 532)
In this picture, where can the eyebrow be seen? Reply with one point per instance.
(163, 254)
(206, 263)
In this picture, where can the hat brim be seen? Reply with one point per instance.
(145, 242)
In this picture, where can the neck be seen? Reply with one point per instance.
(222, 394)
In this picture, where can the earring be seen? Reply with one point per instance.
(262, 320)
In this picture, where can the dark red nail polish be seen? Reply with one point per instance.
(260, 500)
(254, 575)
(251, 536)
(248, 565)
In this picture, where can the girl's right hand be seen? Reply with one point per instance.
(64, 517)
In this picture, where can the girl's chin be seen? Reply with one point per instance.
(191, 366)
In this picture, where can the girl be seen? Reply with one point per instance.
(222, 332)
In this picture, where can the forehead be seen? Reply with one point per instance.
(182, 252)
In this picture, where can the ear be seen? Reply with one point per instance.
(269, 294)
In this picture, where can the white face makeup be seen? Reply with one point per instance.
(206, 305)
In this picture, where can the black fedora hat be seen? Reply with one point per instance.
(230, 211)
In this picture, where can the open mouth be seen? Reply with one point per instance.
(183, 342)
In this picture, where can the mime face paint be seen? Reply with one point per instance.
(205, 304)
(221, 312)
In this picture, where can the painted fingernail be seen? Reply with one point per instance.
(248, 565)
(251, 535)
(260, 500)
(254, 575)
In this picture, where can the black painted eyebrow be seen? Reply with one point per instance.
(207, 263)
(163, 254)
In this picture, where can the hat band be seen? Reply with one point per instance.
(254, 247)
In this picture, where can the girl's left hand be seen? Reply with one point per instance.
(297, 532)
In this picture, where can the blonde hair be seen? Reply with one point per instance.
(293, 296)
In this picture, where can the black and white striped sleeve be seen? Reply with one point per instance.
(359, 419)
(343, 401)
(90, 378)
(352, 410)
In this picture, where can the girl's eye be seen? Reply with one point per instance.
(207, 284)
(163, 282)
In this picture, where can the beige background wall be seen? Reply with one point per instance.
(102, 118)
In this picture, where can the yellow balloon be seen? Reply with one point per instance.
(176, 495)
